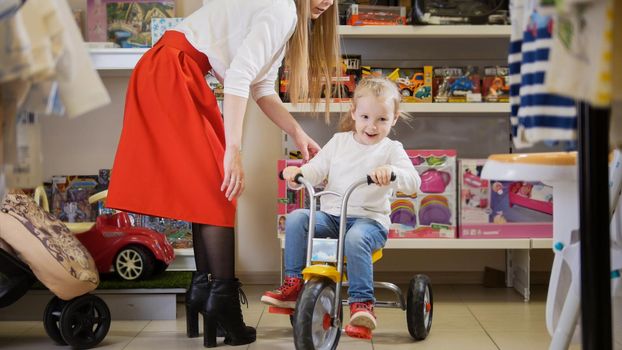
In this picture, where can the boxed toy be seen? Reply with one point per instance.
(288, 199)
(415, 84)
(125, 22)
(496, 84)
(502, 209)
(456, 84)
(160, 25)
(70, 198)
(431, 212)
(365, 15)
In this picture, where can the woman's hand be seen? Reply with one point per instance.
(382, 175)
(233, 183)
(305, 144)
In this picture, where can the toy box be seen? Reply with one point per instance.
(496, 84)
(70, 198)
(125, 22)
(415, 84)
(456, 84)
(178, 233)
(160, 25)
(431, 212)
(365, 15)
(502, 209)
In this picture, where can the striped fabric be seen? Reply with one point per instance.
(536, 115)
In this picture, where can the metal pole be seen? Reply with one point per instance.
(593, 128)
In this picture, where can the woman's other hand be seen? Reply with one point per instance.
(306, 145)
(233, 183)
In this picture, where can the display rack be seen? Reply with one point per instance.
(466, 108)
(126, 59)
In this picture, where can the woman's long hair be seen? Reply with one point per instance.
(313, 55)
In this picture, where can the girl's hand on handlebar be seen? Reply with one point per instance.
(382, 175)
(290, 173)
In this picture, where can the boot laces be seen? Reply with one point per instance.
(243, 299)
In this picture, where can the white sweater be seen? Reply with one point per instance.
(244, 41)
(344, 160)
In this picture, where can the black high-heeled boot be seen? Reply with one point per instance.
(223, 307)
(196, 296)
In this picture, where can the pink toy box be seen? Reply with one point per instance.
(431, 212)
(502, 209)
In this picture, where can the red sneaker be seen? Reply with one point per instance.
(285, 296)
(362, 315)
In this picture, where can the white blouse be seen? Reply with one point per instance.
(244, 41)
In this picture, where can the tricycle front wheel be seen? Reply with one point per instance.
(313, 326)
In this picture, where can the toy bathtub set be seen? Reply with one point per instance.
(431, 212)
(502, 209)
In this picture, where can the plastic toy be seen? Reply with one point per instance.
(434, 181)
(133, 253)
(360, 15)
(318, 316)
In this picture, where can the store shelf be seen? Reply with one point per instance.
(441, 243)
(115, 59)
(430, 31)
(184, 252)
(482, 108)
(120, 59)
(541, 243)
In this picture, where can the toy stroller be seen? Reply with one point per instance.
(318, 316)
(49, 252)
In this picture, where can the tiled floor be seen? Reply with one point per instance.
(465, 318)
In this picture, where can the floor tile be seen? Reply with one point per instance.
(524, 340)
(436, 340)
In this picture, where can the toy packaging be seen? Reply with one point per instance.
(431, 212)
(127, 23)
(496, 84)
(502, 209)
(70, 198)
(415, 84)
(178, 233)
(366, 15)
(456, 84)
(288, 199)
(160, 25)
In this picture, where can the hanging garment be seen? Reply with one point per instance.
(9, 7)
(581, 49)
(536, 114)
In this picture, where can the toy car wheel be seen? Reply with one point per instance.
(313, 328)
(133, 263)
(159, 268)
(406, 93)
(51, 319)
(84, 321)
(419, 307)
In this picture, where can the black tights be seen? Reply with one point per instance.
(214, 250)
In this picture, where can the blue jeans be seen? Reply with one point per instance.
(363, 236)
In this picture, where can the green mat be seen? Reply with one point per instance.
(168, 279)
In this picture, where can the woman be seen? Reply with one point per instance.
(177, 158)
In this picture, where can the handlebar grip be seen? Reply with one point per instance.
(370, 181)
(296, 178)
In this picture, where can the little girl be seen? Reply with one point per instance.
(362, 149)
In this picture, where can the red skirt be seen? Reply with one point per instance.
(169, 159)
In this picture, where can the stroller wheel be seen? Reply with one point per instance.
(51, 320)
(85, 321)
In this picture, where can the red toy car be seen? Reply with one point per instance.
(131, 252)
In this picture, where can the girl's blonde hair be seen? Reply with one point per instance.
(378, 87)
(313, 54)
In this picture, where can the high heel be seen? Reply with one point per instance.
(196, 296)
(223, 307)
(209, 333)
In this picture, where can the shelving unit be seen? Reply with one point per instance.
(358, 40)
(466, 108)
(124, 59)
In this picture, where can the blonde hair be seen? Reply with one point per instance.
(378, 87)
(313, 54)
